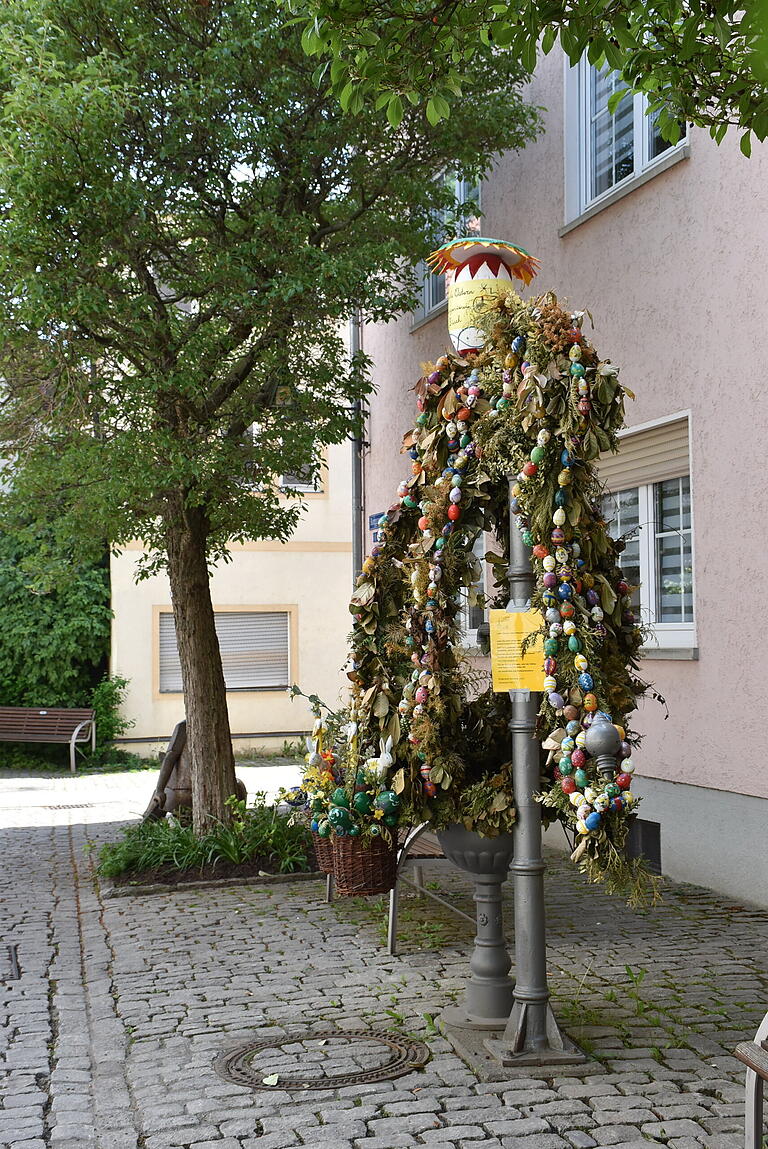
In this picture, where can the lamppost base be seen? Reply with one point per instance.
(458, 1017)
(554, 1049)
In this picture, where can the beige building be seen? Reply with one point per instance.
(281, 616)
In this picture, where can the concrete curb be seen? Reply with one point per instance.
(208, 884)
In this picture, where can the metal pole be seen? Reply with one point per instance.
(532, 1035)
(355, 343)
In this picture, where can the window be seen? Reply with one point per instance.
(472, 607)
(433, 297)
(651, 508)
(608, 151)
(255, 650)
(304, 480)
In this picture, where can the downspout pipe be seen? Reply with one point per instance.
(358, 526)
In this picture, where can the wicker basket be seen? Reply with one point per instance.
(323, 852)
(364, 868)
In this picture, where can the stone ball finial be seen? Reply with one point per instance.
(603, 739)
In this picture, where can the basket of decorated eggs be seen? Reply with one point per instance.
(363, 830)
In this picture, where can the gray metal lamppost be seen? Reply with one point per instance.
(532, 1035)
(488, 996)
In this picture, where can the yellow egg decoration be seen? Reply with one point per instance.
(476, 271)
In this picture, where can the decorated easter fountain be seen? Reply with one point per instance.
(507, 433)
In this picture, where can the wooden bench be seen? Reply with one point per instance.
(55, 724)
(754, 1055)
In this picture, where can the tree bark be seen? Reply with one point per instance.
(209, 740)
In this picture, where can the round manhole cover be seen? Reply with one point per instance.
(322, 1060)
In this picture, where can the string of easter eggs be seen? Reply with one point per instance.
(561, 564)
(429, 623)
(429, 531)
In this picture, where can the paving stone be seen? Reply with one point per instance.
(542, 1141)
(174, 980)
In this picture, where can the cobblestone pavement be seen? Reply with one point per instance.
(109, 1034)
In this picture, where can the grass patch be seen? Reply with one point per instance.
(259, 838)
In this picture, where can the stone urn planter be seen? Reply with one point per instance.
(489, 995)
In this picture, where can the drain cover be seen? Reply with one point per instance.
(72, 806)
(322, 1060)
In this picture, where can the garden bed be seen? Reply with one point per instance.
(169, 875)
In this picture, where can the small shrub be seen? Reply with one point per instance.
(106, 700)
(259, 833)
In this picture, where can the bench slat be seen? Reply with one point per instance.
(754, 1056)
(39, 724)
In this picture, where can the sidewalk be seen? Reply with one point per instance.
(109, 1035)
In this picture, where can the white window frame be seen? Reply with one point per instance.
(312, 487)
(469, 638)
(430, 305)
(662, 635)
(579, 203)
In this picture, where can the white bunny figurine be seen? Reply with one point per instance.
(313, 757)
(385, 759)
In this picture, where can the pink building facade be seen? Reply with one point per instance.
(667, 247)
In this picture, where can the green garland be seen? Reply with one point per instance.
(427, 740)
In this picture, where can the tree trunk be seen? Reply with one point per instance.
(208, 736)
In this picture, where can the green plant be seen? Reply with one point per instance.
(256, 833)
(293, 748)
(106, 700)
(703, 63)
(55, 633)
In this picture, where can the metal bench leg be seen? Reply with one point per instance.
(394, 898)
(329, 888)
(753, 1124)
(418, 880)
(72, 765)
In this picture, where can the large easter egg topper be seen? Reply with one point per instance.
(476, 270)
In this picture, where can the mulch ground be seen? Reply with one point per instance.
(171, 876)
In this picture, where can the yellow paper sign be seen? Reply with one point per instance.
(511, 668)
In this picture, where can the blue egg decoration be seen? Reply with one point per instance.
(566, 459)
(429, 626)
(556, 701)
(577, 370)
(565, 591)
(593, 820)
(586, 681)
(518, 344)
(548, 598)
(573, 728)
(314, 825)
(561, 498)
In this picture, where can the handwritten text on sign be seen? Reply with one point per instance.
(511, 668)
